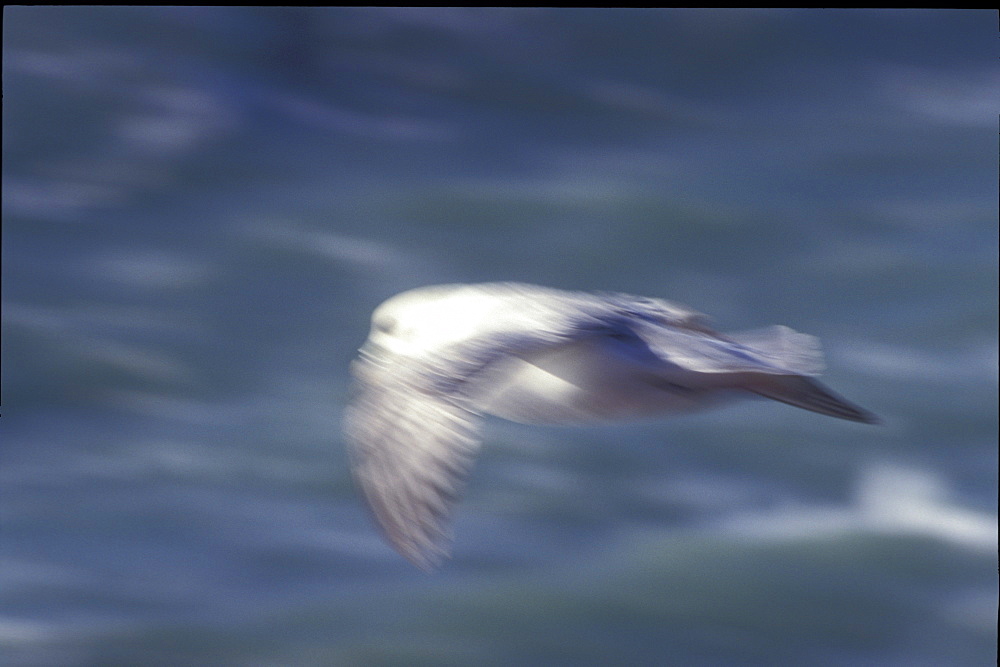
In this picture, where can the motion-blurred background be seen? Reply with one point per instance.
(201, 207)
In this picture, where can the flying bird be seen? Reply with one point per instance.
(439, 358)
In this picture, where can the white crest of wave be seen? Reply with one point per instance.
(905, 500)
(888, 499)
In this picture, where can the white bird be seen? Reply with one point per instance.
(438, 358)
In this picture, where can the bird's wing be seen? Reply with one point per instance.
(775, 362)
(413, 430)
(808, 394)
(411, 447)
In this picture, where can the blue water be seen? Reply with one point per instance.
(201, 207)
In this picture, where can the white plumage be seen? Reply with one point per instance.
(438, 358)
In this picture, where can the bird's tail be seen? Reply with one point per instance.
(808, 394)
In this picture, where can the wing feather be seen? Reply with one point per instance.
(411, 449)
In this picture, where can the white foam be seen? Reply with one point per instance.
(896, 499)
(889, 499)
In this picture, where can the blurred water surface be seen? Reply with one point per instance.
(201, 207)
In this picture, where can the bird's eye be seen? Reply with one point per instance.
(384, 325)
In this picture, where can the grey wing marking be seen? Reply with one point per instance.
(411, 448)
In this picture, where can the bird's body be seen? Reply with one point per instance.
(438, 358)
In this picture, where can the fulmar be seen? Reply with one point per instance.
(439, 358)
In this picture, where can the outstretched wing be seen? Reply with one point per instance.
(411, 447)
(808, 394)
(412, 429)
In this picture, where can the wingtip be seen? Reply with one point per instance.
(428, 560)
(870, 418)
(809, 394)
(425, 565)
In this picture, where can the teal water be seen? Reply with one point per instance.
(201, 207)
